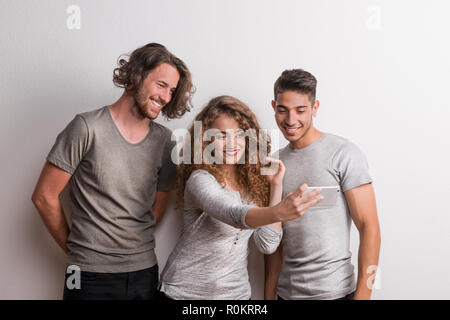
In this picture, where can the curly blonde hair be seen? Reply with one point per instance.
(250, 180)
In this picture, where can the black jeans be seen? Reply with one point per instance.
(161, 297)
(350, 296)
(137, 285)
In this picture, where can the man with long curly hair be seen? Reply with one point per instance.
(116, 160)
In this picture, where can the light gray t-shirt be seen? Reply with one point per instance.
(317, 258)
(112, 189)
(210, 258)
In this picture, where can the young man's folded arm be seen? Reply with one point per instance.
(46, 200)
(160, 204)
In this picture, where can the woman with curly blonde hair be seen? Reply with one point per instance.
(226, 200)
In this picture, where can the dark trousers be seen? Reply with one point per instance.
(161, 296)
(137, 285)
(350, 296)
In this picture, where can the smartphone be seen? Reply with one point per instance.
(329, 195)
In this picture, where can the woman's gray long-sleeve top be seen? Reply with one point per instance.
(210, 259)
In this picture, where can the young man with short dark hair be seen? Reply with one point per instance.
(314, 260)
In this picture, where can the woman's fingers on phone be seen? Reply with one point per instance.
(311, 203)
(300, 190)
(311, 195)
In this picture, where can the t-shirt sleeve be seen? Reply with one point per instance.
(351, 165)
(70, 146)
(167, 172)
(267, 239)
(205, 193)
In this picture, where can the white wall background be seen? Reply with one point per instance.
(383, 71)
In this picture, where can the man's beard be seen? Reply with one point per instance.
(140, 105)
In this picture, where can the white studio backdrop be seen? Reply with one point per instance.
(383, 74)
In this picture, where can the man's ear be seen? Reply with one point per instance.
(315, 107)
(274, 105)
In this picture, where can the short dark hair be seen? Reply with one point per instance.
(297, 80)
(130, 75)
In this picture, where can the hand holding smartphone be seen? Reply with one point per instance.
(329, 195)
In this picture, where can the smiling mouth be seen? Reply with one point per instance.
(231, 153)
(292, 130)
(156, 104)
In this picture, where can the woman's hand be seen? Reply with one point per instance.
(290, 208)
(277, 170)
(296, 203)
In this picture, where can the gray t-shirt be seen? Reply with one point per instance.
(112, 189)
(210, 258)
(317, 258)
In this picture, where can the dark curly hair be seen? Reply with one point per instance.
(130, 75)
(297, 80)
(254, 185)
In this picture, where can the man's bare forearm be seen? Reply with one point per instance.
(272, 268)
(160, 205)
(368, 255)
(53, 216)
(362, 205)
(275, 198)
